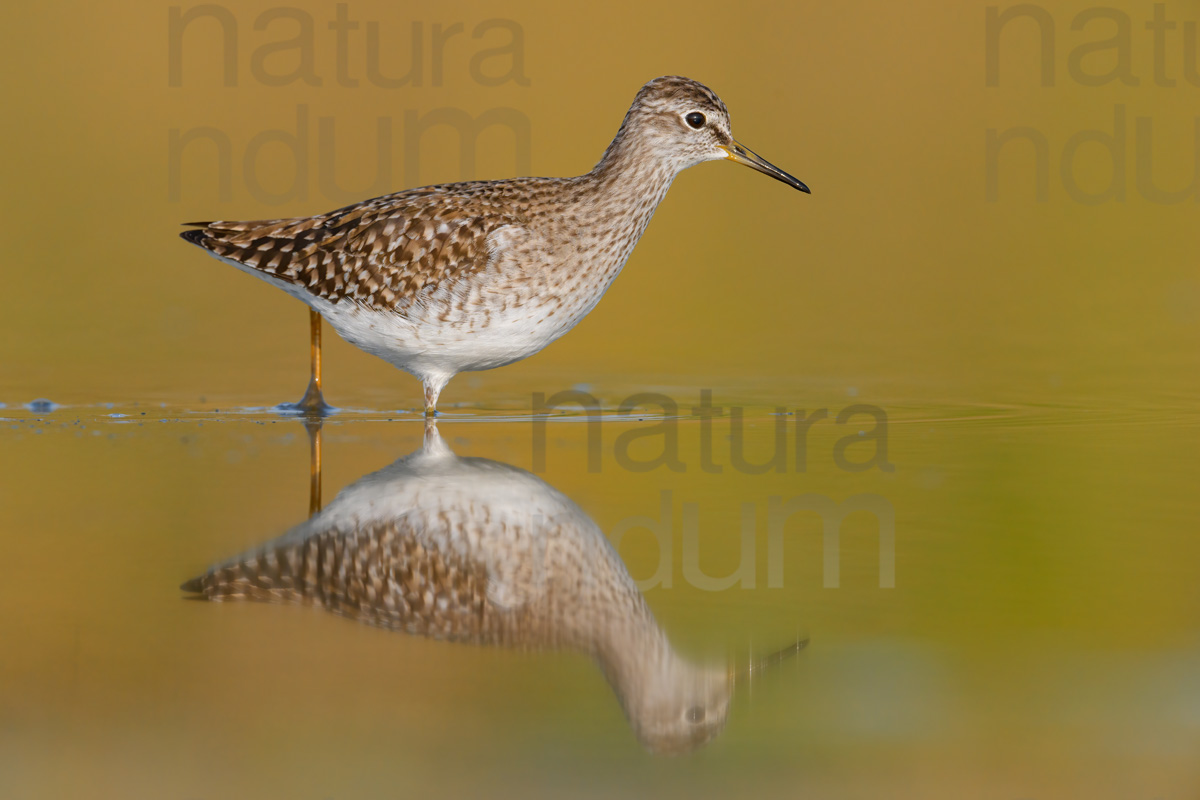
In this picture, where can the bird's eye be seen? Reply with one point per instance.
(695, 714)
(695, 119)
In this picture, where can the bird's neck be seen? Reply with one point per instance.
(615, 203)
(630, 170)
(629, 651)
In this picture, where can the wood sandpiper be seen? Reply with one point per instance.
(476, 551)
(476, 275)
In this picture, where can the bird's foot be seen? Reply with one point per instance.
(312, 404)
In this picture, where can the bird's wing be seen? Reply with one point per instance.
(380, 573)
(382, 253)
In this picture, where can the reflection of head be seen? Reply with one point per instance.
(680, 707)
(674, 705)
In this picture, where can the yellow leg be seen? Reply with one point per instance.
(314, 467)
(313, 402)
(314, 323)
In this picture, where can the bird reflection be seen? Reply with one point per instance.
(473, 550)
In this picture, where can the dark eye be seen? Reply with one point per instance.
(695, 713)
(695, 119)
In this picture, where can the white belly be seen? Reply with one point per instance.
(495, 323)
(425, 345)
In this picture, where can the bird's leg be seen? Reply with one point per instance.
(433, 387)
(432, 438)
(433, 445)
(313, 402)
(314, 465)
(432, 390)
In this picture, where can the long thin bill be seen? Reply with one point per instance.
(744, 155)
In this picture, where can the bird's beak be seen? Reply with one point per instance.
(743, 675)
(744, 155)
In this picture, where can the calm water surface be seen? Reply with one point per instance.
(597, 611)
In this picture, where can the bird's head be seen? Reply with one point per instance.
(680, 707)
(675, 705)
(683, 122)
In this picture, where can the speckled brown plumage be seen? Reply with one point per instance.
(476, 275)
(378, 573)
(380, 253)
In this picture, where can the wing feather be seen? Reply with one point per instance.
(385, 253)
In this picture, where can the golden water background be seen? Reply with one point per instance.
(1038, 363)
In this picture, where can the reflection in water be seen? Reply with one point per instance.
(472, 550)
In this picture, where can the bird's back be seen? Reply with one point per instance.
(385, 252)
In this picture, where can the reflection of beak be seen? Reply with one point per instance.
(751, 670)
(744, 155)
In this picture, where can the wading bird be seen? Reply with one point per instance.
(476, 275)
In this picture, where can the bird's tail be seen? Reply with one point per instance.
(269, 576)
